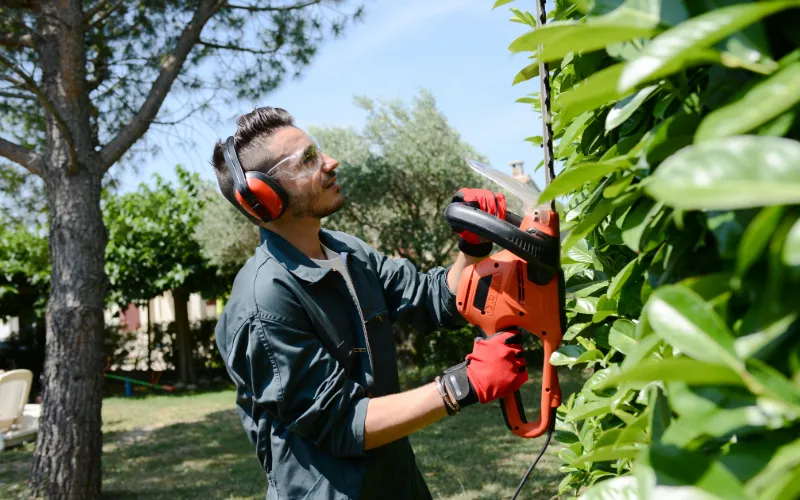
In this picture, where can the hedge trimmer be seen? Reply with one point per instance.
(521, 286)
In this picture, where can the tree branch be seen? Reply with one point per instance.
(213, 45)
(15, 40)
(18, 4)
(62, 125)
(14, 95)
(170, 68)
(253, 8)
(98, 9)
(26, 157)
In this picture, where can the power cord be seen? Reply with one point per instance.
(544, 448)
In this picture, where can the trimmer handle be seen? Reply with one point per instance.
(538, 249)
(514, 411)
(513, 408)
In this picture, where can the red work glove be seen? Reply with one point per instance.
(494, 369)
(489, 202)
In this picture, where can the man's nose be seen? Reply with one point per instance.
(330, 164)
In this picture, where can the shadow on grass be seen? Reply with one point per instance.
(211, 459)
(472, 456)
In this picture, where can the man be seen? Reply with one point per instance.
(306, 335)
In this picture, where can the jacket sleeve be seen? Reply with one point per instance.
(295, 378)
(422, 299)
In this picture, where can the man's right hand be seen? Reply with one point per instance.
(494, 369)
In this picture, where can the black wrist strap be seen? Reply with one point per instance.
(475, 249)
(458, 384)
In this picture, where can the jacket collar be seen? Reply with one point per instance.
(296, 261)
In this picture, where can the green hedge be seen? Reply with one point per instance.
(676, 126)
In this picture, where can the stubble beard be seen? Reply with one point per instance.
(306, 206)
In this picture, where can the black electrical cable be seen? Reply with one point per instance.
(544, 448)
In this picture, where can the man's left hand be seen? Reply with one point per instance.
(492, 203)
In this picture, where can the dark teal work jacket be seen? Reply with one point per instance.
(305, 364)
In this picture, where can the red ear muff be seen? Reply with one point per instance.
(271, 198)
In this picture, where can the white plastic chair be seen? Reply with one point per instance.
(19, 422)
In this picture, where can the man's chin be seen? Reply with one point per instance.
(331, 208)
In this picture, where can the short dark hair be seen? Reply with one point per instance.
(252, 131)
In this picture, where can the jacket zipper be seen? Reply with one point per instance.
(360, 315)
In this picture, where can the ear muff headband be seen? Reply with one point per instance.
(256, 192)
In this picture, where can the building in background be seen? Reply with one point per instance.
(134, 321)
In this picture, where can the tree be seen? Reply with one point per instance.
(24, 286)
(398, 175)
(682, 258)
(151, 249)
(82, 83)
(226, 238)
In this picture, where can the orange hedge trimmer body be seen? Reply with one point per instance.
(519, 287)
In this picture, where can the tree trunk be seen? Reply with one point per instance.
(67, 460)
(180, 299)
(149, 335)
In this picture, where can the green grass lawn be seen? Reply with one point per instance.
(193, 447)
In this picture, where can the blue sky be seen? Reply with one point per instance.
(457, 49)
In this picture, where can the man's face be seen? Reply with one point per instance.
(307, 174)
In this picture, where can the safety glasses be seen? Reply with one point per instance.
(304, 163)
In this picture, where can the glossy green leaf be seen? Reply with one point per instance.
(566, 354)
(608, 438)
(678, 467)
(600, 375)
(672, 48)
(620, 279)
(616, 488)
(580, 253)
(730, 173)
(625, 108)
(578, 175)
(621, 337)
(590, 355)
(574, 329)
(756, 237)
(498, 3)
(684, 369)
(688, 323)
(785, 461)
(615, 188)
(660, 415)
(592, 93)
(536, 140)
(586, 410)
(768, 99)
(528, 72)
(791, 247)
(606, 454)
(672, 135)
(768, 381)
(561, 37)
(750, 344)
(780, 126)
(588, 223)
(583, 305)
(637, 221)
(586, 289)
(574, 130)
(605, 307)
